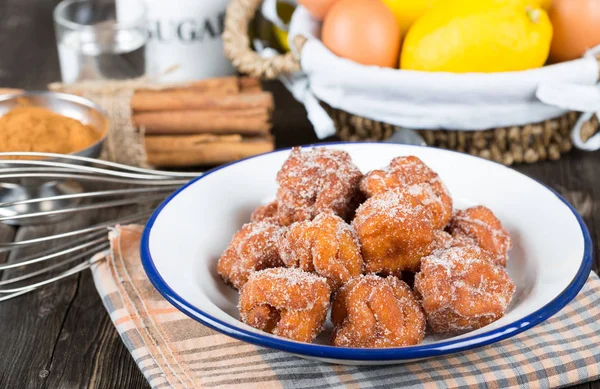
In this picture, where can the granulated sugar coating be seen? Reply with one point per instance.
(326, 245)
(481, 227)
(411, 172)
(299, 251)
(401, 172)
(286, 302)
(441, 240)
(252, 248)
(434, 197)
(370, 311)
(316, 181)
(266, 213)
(461, 289)
(395, 231)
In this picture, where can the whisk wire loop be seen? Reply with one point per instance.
(75, 250)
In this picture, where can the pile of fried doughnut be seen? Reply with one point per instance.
(384, 252)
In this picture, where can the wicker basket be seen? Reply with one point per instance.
(529, 143)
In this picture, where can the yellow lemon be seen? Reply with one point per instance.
(478, 36)
(545, 4)
(408, 11)
(285, 11)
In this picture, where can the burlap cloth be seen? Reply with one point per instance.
(124, 143)
(173, 350)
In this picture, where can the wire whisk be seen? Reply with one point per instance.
(47, 188)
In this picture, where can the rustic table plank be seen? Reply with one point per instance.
(31, 324)
(88, 341)
(29, 57)
(575, 178)
(90, 352)
(67, 337)
(7, 234)
(61, 336)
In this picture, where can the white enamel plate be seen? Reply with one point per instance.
(549, 263)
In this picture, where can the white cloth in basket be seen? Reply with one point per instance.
(426, 100)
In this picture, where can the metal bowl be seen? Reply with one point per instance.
(12, 190)
(68, 105)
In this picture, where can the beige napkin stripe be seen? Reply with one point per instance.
(140, 331)
(563, 350)
(113, 298)
(151, 331)
(134, 284)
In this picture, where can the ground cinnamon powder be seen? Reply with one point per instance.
(41, 130)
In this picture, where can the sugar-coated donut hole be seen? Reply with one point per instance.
(328, 224)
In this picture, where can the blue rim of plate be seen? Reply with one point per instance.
(361, 354)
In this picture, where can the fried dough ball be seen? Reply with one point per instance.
(479, 226)
(267, 212)
(370, 311)
(461, 289)
(436, 199)
(285, 302)
(252, 248)
(395, 231)
(316, 181)
(401, 172)
(326, 245)
(441, 240)
(411, 173)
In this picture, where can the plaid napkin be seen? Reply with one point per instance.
(173, 350)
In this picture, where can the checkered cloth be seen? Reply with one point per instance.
(173, 350)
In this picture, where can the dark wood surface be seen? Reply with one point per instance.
(61, 336)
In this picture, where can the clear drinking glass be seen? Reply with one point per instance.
(100, 40)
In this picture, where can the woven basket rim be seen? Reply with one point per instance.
(237, 46)
(526, 143)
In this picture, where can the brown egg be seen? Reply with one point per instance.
(364, 31)
(576, 28)
(317, 8)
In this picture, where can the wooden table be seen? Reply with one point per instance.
(61, 336)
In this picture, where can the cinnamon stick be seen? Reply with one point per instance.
(209, 153)
(162, 143)
(220, 86)
(8, 91)
(254, 121)
(172, 100)
(252, 89)
(249, 84)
